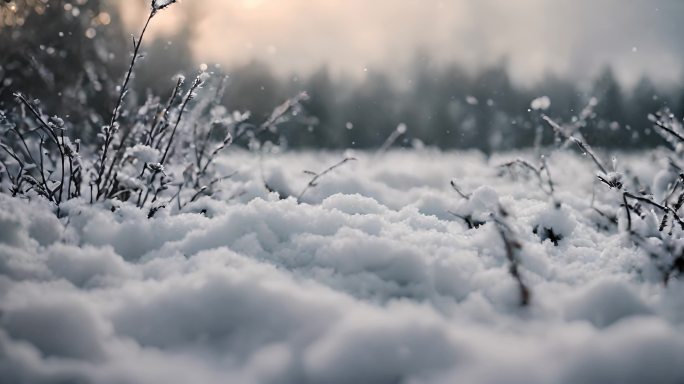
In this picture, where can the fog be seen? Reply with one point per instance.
(568, 38)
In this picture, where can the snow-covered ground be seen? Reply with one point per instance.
(370, 280)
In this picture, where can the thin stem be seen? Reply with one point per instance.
(317, 176)
(180, 116)
(511, 246)
(117, 108)
(669, 130)
(459, 191)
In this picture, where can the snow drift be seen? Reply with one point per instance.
(374, 278)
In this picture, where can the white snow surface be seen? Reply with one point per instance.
(369, 280)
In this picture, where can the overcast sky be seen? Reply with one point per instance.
(568, 37)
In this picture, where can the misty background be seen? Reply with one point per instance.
(459, 74)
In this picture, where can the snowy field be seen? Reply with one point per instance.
(376, 277)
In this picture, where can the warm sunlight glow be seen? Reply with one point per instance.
(253, 4)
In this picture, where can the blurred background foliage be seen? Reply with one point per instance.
(71, 55)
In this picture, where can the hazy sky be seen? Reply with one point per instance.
(569, 37)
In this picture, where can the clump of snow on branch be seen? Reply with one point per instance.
(541, 103)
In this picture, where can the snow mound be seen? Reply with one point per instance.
(375, 277)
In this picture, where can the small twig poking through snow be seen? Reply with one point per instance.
(663, 208)
(612, 180)
(611, 218)
(282, 195)
(459, 191)
(154, 209)
(628, 209)
(281, 114)
(316, 176)
(549, 179)
(512, 247)
(549, 189)
(584, 147)
(680, 202)
(470, 222)
(547, 234)
(672, 191)
(205, 189)
(392, 138)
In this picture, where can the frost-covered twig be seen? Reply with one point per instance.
(160, 123)
(549, 179)
(316, 176)
(663, 208)
(583, 146)
(280, 115)
(199, 80)
(669, 130)
(469, 220)
(204, 190)
(549, 189)
(512, 248)
(667, 249)
(110, 131)
(668, 127)
(458, 190)
(34, 168)
(391, 139)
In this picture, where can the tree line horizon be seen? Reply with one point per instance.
(68, 60)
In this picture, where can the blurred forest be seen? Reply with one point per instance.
(71, 56)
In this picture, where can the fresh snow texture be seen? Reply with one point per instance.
(374, 278)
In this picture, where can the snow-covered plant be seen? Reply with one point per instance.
(542, 173)
(569, 134)
(650, 217)
(134, 156)
(475, 208)
(512, 247)
(285, 112)
(554, 223)
(41, 160)
(211, 131)
(573, 128)
(104, 178)
(482, 207)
